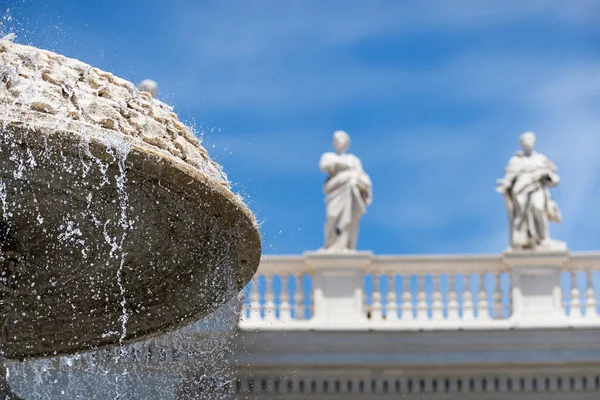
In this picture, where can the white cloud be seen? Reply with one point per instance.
(242, 29)
(286, 55)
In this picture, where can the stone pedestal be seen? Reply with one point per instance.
(338, 289)
(536, 288)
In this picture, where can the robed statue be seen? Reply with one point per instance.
(348, 192)
(527, 179)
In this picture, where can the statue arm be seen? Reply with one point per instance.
(551, 178)
(548, 174)
(551, 165)
(328, 162)
(507, 179)
(510, 174)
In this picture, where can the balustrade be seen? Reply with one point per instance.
(278, 293)
(580, 282)
(437, 292)
(365, 292)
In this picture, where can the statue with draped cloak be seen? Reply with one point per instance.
(348, 192)
(527, 179)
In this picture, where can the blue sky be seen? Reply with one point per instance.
(434, 95)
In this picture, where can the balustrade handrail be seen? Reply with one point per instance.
(360, 290)
(282, 265)
(434, 264)
(294, 264)
(418, 264)
(583, 262)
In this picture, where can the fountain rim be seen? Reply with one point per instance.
(107, 137)
(47, 124)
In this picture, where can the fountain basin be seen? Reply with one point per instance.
(116, 225)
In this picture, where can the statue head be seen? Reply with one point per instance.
(148, 85)
(527, 141)
(341, 141)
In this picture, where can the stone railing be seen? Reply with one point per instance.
(361, 291)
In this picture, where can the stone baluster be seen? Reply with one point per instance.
(270, 309)
(502, 384)
(295, 387)
(354, 385)
(437, 306)
(243, 384)
(497, 307)
(368, 307)
(255, 307)
(478, 384)
(528, 386)
(590, 382)
(483, 311)
(467, 308)
(416, 387)
(421, 299)
(490, 382)
(407, 300)
(452, 385)
(575, 297)
(565, 301)
(428, 387)
(269, 384)
(453, 308)
(379, 385)
(515, 383)
(299, 298)
(376, 307)
(343, 387)
(578, 386)
(403, 384)
(285, 309)
(591, 310)
(552, 384)
(541, 384)
(391, 313)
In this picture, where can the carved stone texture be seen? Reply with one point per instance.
(70, 90)
(527, 179)
(116, 224)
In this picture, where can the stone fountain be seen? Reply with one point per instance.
(115, 223)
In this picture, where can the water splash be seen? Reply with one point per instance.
(192, 363)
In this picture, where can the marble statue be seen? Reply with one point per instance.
(348, 192)
(525, 186)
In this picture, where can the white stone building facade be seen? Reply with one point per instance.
(521, 325)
